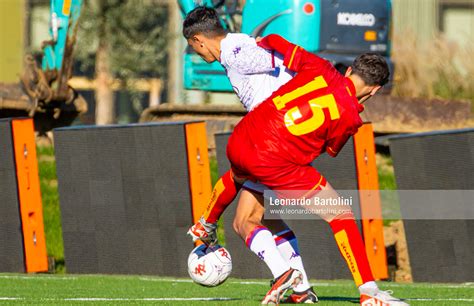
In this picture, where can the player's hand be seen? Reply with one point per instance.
(204, 231)
(261, 42)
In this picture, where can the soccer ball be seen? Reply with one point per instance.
(209, 266)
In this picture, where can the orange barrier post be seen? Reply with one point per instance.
(370, 205)
(29, 193)
(198, 166)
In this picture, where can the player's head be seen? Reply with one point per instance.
(202, 28)
(371, 72)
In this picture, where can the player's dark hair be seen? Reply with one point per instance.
(372, 68)
(202, 20)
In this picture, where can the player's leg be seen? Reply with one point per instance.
(245, 159)
(223, 194)
(340, 218)
(305, 181)
(287, 244)
(284, 237)
(257, 237)
(348, 239)
(259, 240)
(350, 244)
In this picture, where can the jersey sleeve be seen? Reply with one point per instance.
(296, 58)
(335, 145)
(250, 59)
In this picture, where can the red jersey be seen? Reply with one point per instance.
(316, 111)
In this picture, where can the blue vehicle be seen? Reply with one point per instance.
(337, 30)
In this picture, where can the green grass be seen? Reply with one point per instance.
(387, 185)
(214, 170)
(59, 289)
(51, 211)
(386, 174)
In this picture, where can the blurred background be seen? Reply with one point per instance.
(129, 54)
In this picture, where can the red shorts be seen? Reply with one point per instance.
(250, 160)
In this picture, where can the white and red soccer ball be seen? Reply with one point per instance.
(209, 266)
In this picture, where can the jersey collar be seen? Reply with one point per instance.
(352, 92)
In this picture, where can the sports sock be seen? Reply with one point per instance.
(369, 288)
(287, 244)
(223, 194)
(261, 242)
(351, 246)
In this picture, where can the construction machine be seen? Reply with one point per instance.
(43, 92)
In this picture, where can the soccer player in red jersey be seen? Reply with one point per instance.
(316, 112)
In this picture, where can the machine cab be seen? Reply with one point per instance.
(338, 30)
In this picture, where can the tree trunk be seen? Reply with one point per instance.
(174, 58)
(104, 95)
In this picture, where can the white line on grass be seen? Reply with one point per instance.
(439, 300)
(243, 282)
(149, 279)
(91, 299)
(266, 283)
(424, 285)
(4, 298)
(38, 277)
(318, 284)
(169, 280)
(150, 299)
(249, 283)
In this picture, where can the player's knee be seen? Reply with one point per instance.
(242, 224)
(237, 225)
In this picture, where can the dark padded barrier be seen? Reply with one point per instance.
(319, 251)
(11, 237)
(125, 198)
(440, 250)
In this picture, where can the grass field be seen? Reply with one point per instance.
(138, 290)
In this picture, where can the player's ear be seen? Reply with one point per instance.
(195, 39)
(348, 72)
(375, 89)
(199, 39)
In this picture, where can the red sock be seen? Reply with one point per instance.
(223, 194)
(351, 246)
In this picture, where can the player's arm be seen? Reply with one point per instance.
(295, 58)
(250, 59)
(335, 145)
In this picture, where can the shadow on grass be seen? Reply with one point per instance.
(332, 299)
(339, 299)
